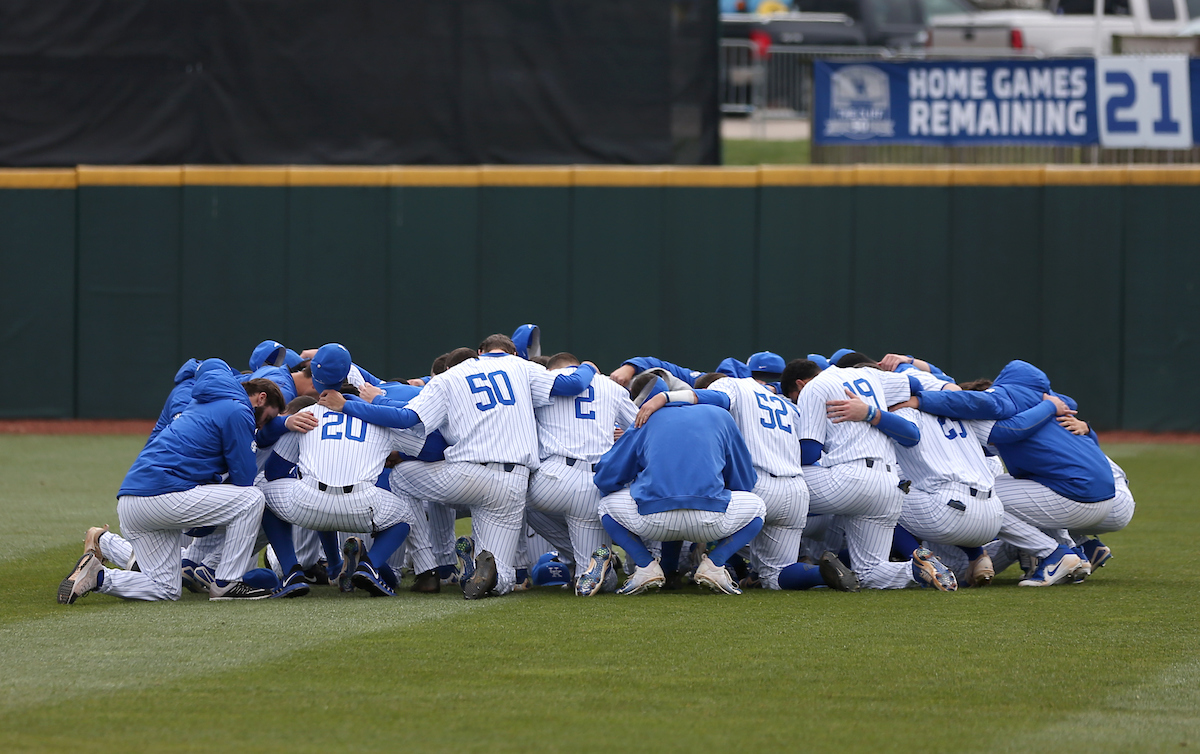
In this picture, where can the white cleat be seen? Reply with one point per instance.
(715, 577)
(650, 577)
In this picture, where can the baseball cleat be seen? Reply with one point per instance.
(237, 590)
(366, 577)
(318, 574)
(483, 580)
(929, 571)
(427, 583)
(81, 580)
(837, 574)
(649, 577)
(751, 581)
(1097, 553)
(91, 541)
(592, 580)
(1055, 568)
(464, 548)
(352, 553)
(715, 577)
(295, 585)
(981, 571)
(1080, 572)
(197, 577)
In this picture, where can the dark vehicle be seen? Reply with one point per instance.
(824, 29)
(884, 23)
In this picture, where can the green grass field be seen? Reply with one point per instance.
(751, 152)
(1110, 665)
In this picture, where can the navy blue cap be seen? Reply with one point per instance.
(330, 367)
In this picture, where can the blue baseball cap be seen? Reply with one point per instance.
(819, 360)
(269, 353)
(330, 367)
(765, 361)
(550, 573)
(291, 359)
(838, 354)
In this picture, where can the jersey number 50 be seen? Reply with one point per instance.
(489, 385)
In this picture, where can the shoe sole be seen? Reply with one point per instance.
(268, 595)
(293, 590)
(91, 540)
(466, 558)
(599, 583)
(706, 580)
(653, 583)
(483, 581)
(351, 555)
(931, 571)
(66, 590)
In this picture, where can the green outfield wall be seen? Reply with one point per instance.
(111, 277)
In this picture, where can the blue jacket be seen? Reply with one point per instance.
(1071, 465)
(684, 457)
(178, 399)
(642, 363)
(212, 437)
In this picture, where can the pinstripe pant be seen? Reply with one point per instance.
(867, 503)
(566, 495)
(686, 524)
(1116, 520)
(154, 526)
(441, 531)
(365, 509)
(496, 499)
(778, 544)
(1033, 514)
(929, 516)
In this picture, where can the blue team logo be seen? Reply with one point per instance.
(860, 103)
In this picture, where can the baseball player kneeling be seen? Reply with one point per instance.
(685, 474)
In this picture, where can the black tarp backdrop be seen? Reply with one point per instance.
(369, 82)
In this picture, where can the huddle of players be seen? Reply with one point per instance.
(786, 464)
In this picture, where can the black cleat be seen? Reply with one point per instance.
(427, 583)
(837, 575)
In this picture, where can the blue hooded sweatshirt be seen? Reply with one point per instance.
(1071, 465)
(178, 399)
(684, 457)
(211, 437)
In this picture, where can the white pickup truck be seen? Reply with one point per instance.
(1069, 27)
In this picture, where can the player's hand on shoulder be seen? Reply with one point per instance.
(648, 408)
(892, 360)
(1074, 425)
(1061, 408)
(308, 353)
(302, 422)
(332, 400)
(851, 409)
(623, 374)
(617, 433)
(369, 392)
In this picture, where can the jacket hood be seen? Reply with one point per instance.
(216, 383)
(733, 368)
(1023, 374)
(528, 340)
(187, 371)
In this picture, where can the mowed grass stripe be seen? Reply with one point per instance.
(984, 670)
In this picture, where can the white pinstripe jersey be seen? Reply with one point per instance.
(849, 441)
(949, 451)
(767, 422)
(343, 450)
(582, 426)
(484, 408)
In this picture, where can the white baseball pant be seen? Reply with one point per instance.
(690, 525)
(567, 494)
(866, 502)
(366, 508)
(154, 526)
(1034, 515)
(1116, 520)
(951, 515)
(494, 495)
(777, 546)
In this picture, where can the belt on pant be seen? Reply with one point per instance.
(573, 461)
(498, 466)
(345, 489)
(960, 506)
(871, 464)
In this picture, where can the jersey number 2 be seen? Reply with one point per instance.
(587, 396)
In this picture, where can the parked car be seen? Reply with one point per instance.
(1068, 27)
(884, 23)
(825, 29)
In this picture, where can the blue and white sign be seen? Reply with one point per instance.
(957, 103)
(1145, 102)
